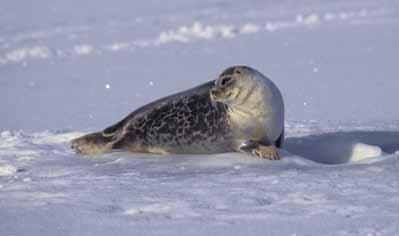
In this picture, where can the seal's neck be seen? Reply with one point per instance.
(250, 103)
(246, 122)
(247, 117)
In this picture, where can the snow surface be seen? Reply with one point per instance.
(71, 67)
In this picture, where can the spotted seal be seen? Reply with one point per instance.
(242, 111)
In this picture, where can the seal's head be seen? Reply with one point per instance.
(255, 105)
(234, 85)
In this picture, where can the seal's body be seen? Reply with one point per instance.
(241, 111)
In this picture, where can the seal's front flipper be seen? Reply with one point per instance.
(259, 150)
(90, 144)
(267, 152)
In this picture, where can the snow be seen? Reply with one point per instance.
(249, 29)
(6, 169)
(361, 151)
(68, 68)
(83, 49)
(18, 55)
(183, 34)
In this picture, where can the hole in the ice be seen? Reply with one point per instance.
(344, 147)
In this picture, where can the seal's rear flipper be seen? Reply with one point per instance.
(94, 143)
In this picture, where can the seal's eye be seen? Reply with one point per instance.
(225, 80)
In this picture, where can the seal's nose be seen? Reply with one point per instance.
(213, 92)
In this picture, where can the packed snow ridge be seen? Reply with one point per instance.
(184, 34)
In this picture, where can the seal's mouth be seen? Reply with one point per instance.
(219, 94)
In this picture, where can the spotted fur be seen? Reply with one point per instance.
(190, 124)
(187, 122)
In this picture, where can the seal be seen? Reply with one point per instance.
(241, 111)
